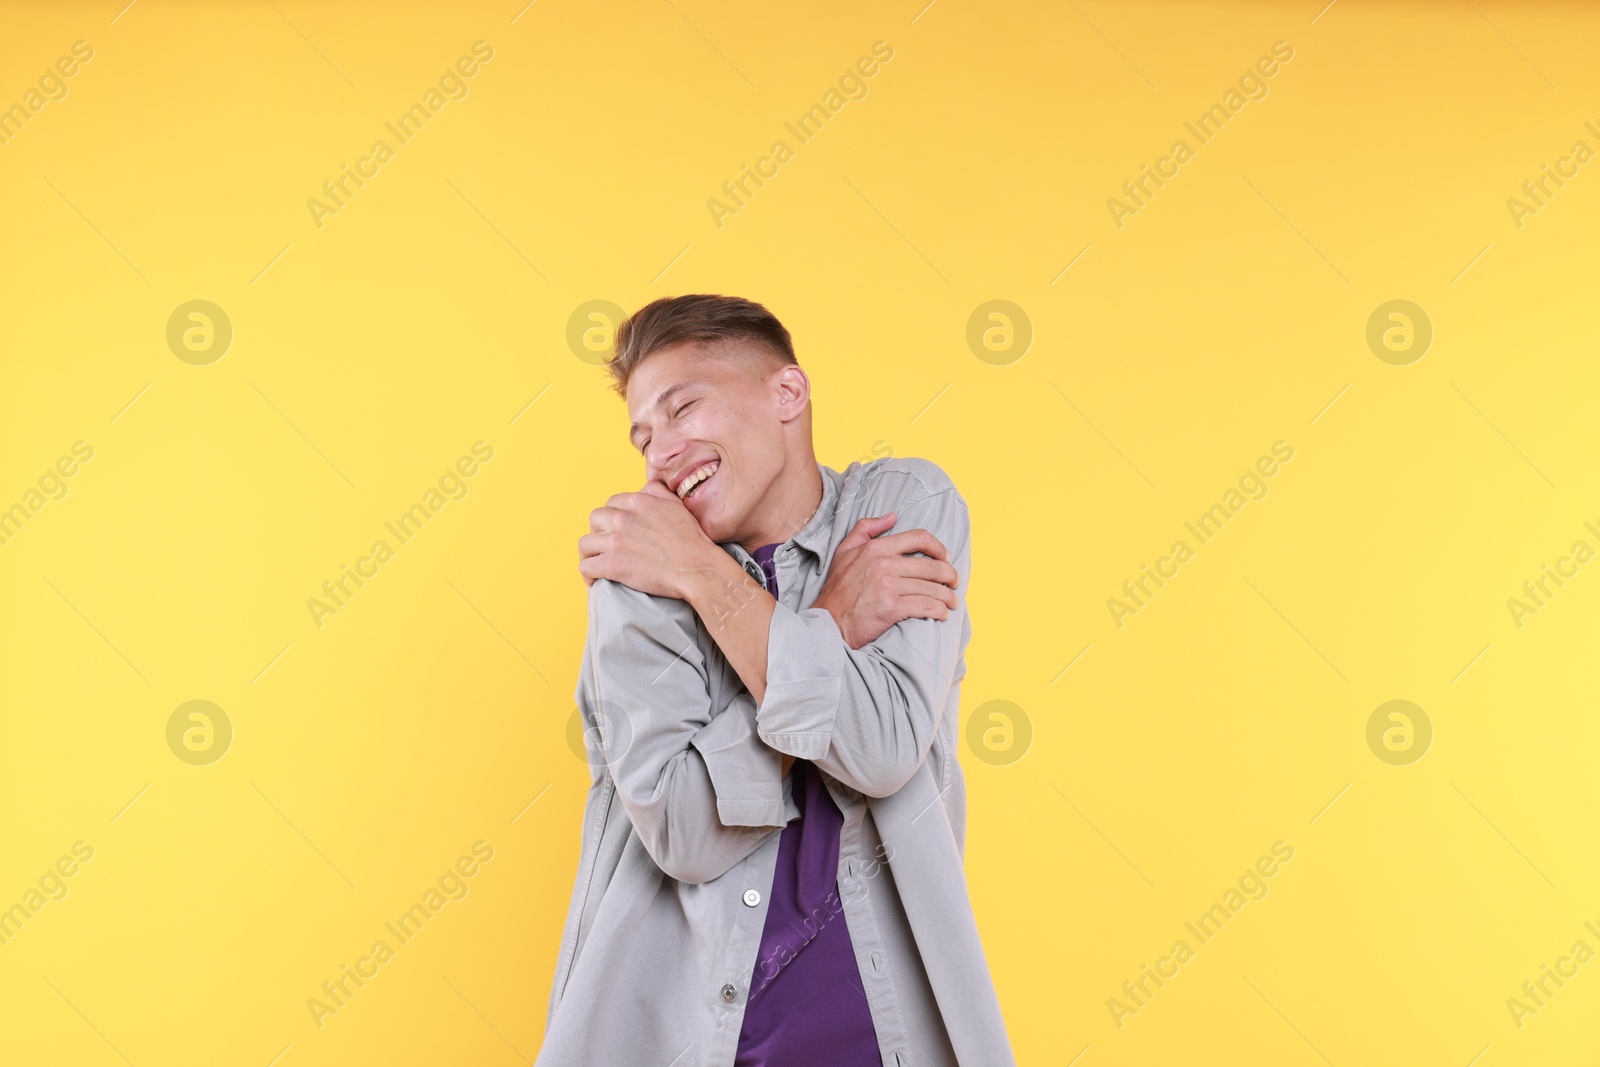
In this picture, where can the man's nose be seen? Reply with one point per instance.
(661, 455)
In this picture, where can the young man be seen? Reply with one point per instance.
(771, 864)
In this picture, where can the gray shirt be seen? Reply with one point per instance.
(682, 819)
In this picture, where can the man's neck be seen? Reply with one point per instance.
(790, 503)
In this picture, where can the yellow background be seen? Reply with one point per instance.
(369, 353)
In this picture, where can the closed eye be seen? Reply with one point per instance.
(674, 414)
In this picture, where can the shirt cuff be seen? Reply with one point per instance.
(805, 673)
(745, 773)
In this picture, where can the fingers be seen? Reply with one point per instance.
(929, 570)
(592, 559)
(923, 607)
(589, 567)
(621, 502)
(653, 495)
(623, 507)
(899, 609)
(913, 541)
(865, 530)
(923, 590)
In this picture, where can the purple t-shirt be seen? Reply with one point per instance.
(807, 1006)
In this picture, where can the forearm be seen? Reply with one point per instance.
(738, 614)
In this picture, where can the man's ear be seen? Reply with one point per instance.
(794, 391)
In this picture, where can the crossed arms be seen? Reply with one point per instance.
(703, 785)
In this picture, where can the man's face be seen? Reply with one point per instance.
(694, 413)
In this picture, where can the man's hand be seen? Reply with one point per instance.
(873, 583)
(647, 540)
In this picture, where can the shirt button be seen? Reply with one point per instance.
(754, 570)
(729, 993)
(752, 897)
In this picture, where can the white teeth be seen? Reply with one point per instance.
(695, 477)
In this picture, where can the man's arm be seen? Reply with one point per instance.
(867, 716)
(872, 583)
(702, 790)
(737, 612)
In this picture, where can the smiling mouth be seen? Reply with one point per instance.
(695, 479)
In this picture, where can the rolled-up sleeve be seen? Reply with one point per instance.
(868, 716)
(699, 787)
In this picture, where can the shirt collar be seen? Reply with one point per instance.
(814, 536)
(816, 533)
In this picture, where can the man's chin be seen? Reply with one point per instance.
(716, 529)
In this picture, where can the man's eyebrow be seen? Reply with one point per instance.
(660, 400)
